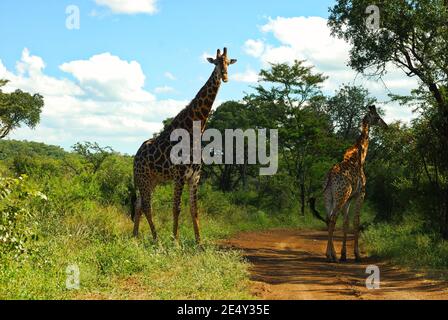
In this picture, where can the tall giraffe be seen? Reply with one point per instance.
(346, 181)
(152, 163)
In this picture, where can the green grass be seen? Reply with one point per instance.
(113, 265)
(407, 244)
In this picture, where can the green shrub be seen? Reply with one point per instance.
(17, 226)
(407, 243)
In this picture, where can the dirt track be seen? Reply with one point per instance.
(290, 264)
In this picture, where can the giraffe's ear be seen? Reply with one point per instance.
(232, 61)
(211, 60)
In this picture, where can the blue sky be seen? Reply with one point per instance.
(133, 63)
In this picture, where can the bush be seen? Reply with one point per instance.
(407, 243)
(17, 198)
(115, 178)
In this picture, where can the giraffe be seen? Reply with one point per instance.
(152, 163)
(345, 182)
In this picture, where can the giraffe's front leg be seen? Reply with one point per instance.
(178, 188)
(193, 185)
(359, 202)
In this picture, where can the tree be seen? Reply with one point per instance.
(230, 115)
(413, 36)
(92, 153)
(286, 102)
(18, 108)
(346, 109)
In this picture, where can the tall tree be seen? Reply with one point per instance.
(18, 108)
(413, 36)
(230, 115)
(92, 153)
(284, 99)
(346, 109)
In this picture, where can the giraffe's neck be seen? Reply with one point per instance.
(363, 141)
(201, 105)
(199, 108)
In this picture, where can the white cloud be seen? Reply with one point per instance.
(130, 6)
(169, 76)
(309, 38)
(205, 55)
(164, 89)
(249, 76)
(109, 77)
(254, 48)
(30, 77)
(72, 113)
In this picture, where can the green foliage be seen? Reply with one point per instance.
(115, 179)
(92, 153)
(12, 148)
(288, 101)
(17, 228)
(347, 108)
(231, 115)
(17, 108)
(407, 243)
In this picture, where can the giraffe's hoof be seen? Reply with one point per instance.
(331, 259)
(358, 259)
(343, 259)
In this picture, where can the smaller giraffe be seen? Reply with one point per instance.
(344, 182)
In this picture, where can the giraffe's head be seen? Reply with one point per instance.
(374, 119)
(222, 62)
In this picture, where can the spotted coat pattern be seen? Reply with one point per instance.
(345, 182)
(152, 163)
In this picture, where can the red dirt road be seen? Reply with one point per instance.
(290, 265)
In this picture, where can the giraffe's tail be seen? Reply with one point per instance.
(316, 214)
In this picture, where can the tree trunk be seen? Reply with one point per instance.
(302, 198)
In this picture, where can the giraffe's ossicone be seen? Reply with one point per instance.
(152, 163)
(345, 182)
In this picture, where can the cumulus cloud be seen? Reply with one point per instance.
(249, 76)
(77, 110)
(130, 7)
(109, 77)
(309, 38)
(254, 48)
(30, 77)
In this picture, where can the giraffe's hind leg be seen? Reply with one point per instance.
(359, 202)
(342, 198)
(345, 210)
(137, 216)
